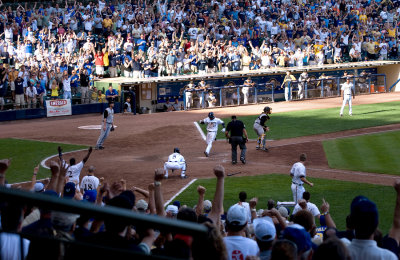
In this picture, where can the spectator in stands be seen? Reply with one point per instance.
(111, 94)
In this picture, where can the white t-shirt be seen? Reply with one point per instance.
(361, 249)
(89, 182)
(246, 205)
(239, 247)
(384, 48)
(10, 246)
(310, 207)
(297, 172)
(212, 125)
(347, 88)
(74, 172)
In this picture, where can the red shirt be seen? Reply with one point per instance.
(99, 60)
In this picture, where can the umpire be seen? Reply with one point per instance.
(237, 130)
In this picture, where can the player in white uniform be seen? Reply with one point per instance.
(212, 128)
(248, 83)
(175, 162)
(347, 92)
(74, 170)
(89, 182)
(189, 95)
(298, 174)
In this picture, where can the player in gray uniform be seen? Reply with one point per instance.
(260, 128)
(107, 126)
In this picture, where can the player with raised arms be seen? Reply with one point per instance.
(212, 128)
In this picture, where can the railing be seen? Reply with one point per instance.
(330, 87)
(230, 96)
(59, 204)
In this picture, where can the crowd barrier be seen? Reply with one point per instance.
(268, 92)
(21, 197)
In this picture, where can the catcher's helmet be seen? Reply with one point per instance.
(176, 150)
(211, 115)
(267, 109)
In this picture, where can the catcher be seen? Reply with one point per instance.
(261, 128)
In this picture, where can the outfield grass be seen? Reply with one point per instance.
(320, 121)
(368, 153)
(26, 154)
(339, 194)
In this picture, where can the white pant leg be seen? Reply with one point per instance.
(350, 105)
(345, 100)
(297, 192)
(245, 97)
(210, 139)
(287, 93)
(301, 92)
(174, 166)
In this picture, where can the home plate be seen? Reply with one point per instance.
(92, 127)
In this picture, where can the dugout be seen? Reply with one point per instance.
(152, 93)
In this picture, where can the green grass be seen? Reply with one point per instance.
(368, 153)
(26, 154)
(339, 194)
(320, 121)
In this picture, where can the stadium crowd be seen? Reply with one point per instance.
(246, 230)
(53, 47)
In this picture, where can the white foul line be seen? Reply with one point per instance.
(179, 192)
(43, 162)
(201, 131)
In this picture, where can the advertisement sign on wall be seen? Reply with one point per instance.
(59, 107)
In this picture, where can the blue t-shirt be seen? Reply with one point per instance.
(141, 44)
(74, 81)
(28, 48)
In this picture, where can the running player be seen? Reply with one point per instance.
(212, 128)
(175, 162)
(261, 128)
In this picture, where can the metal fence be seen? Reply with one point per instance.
(331, 86)
(20, 197)
(229, 96)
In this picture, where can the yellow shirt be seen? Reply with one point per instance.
(105, 59)
(363, 18)
(102, 98)
(107, 23)
(318, 48)
(392, 32)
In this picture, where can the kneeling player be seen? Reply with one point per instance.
(175, 162)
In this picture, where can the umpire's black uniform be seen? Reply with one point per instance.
(237, 130)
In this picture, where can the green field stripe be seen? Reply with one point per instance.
(339, 194)
(368, 153)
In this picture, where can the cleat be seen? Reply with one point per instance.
(184, 177)
(165, 177)
(243, 160)
(206, 154)
(264, 149)
(351, 115)
(234, 162)
(257, 147)
(341, 115)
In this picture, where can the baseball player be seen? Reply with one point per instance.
(245, 90)
(212, 128)
(175, 162)
(298, 174)
(260, 128)
(74, 170)
(347, 92)
(302, 84)
(189, 95)
(107, 125)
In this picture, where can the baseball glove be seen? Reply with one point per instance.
(112, 128)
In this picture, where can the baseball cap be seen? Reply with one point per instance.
(283, 211)
(39, 187)
(299, 236)
(90, 195)
(264, 229)
(207, 206)
(172, 209)
(177, 203)
(364, 212)
(69, 190)
(141, 205)
(237, 215)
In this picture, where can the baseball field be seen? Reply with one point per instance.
(347, 156)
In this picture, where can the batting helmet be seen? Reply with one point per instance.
(176, 150)
(211, 115)
(267, 109)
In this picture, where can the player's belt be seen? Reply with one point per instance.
(297, 184)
